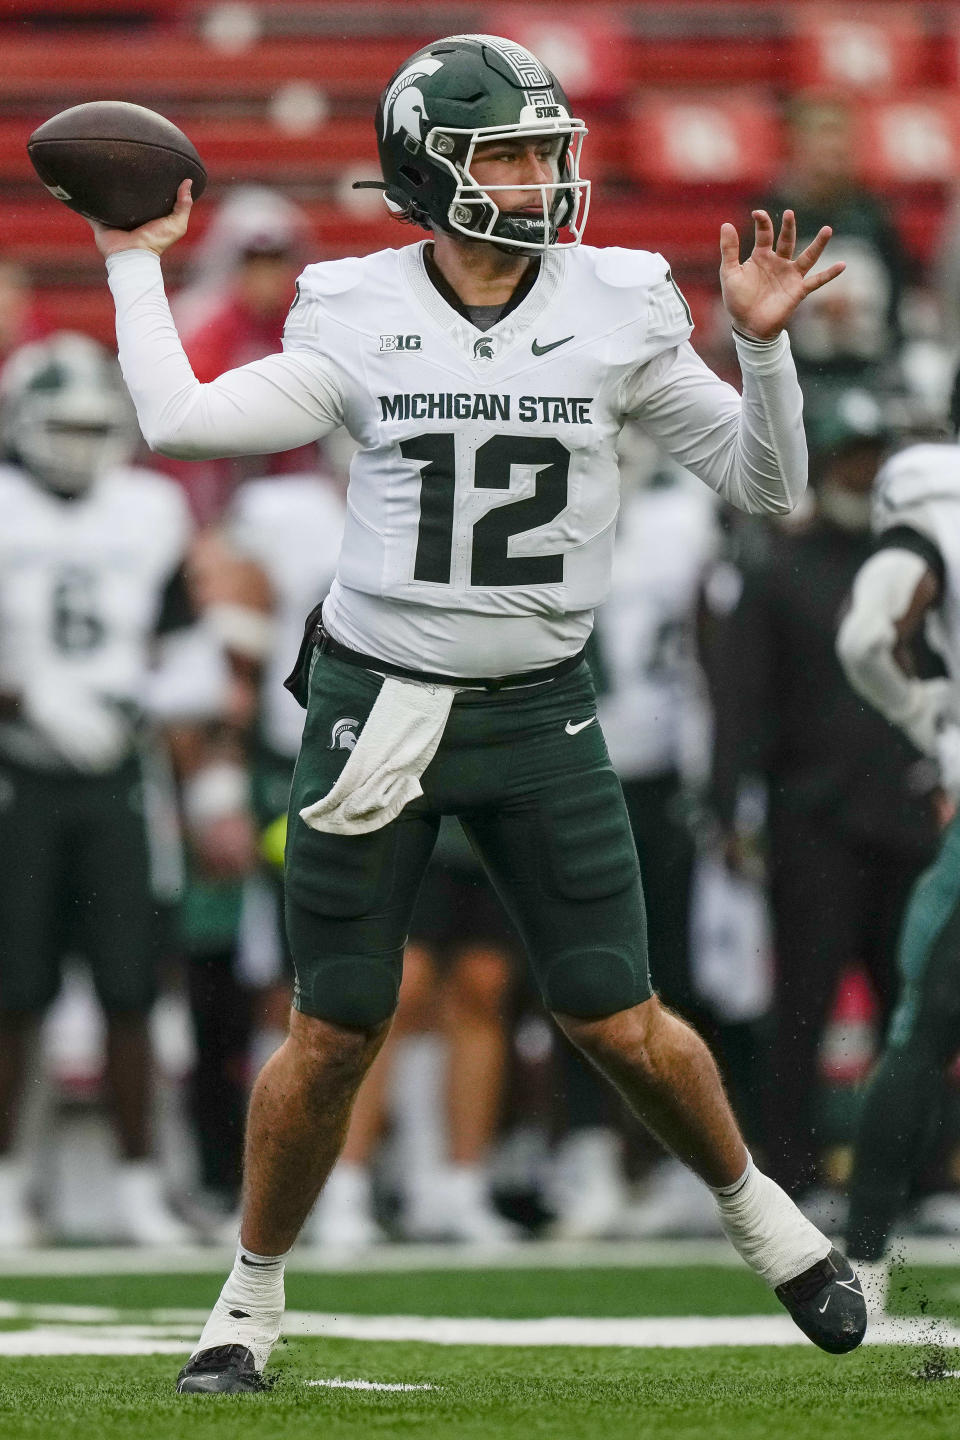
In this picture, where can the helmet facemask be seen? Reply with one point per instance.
(473, 210)
(67, 455)
(66, 418)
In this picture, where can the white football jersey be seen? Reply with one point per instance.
(82, 581)
(484, 491)
(651, 703)
(487, 475)
(292, 527)
(920, 487)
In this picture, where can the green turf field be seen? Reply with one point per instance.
(628, 1380)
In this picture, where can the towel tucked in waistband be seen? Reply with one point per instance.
(395, 746)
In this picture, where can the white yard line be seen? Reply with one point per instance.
(524, 1255)
(337, 1384)
(646, 1333)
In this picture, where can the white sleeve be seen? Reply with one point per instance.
(750, 449)
(867, 639)
(277, 403)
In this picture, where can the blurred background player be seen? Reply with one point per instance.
(96, 634)
(851, 332)
(849, 820)
(22, 317)
(911, 584)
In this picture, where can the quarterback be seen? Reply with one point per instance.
(484, 373)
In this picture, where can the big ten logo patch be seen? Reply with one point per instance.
(399, 342)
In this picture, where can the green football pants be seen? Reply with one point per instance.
(527, 772)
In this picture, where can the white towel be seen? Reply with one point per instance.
(397, 743)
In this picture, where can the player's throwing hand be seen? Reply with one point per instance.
(156, 235)
(761, 294)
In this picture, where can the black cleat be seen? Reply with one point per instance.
(221, 1370)
(827, 1303)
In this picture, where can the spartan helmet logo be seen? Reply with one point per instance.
(404, 107)
(343, 733)
(484, 348)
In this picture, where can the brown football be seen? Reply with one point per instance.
(115, 162)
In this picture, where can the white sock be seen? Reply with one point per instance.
(250, 1307)
(416, 1103)
(765, 1227)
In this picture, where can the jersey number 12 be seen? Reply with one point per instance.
(491, 564)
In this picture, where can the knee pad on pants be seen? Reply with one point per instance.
(356, 991)
(590, 983)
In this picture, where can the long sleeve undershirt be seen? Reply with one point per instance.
(276, 403)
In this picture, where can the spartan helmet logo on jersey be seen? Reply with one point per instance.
(462, 92)
(484, 349)
(65, 415)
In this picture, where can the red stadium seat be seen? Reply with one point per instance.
(909, 140)
(864, 47)
(586, 50)
(725, 139)
(66, 67)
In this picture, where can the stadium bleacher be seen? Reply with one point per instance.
(685, 105)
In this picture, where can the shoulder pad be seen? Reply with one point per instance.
(287, 504)
(630, 269)
(157, 500)
(12, 475)
(657, 305)
(918, 476)
(330, 277)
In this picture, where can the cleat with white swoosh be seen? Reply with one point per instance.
(826, 1301)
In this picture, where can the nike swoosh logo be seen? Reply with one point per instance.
(539, 349)
(572, 729)
(825, 1303)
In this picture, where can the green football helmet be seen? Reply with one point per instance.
(65, 415)
(462, 92)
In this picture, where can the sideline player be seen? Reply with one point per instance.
(97, 633)
(913, 579)
(485, 374)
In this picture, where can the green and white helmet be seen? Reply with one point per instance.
(456, 94)
(65, 415)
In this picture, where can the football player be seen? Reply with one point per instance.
(485, 373)
(96, 633)
(911, 582)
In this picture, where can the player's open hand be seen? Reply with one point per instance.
(761, 294)
(156, 235)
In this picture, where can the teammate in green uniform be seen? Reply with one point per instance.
(912, 581)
